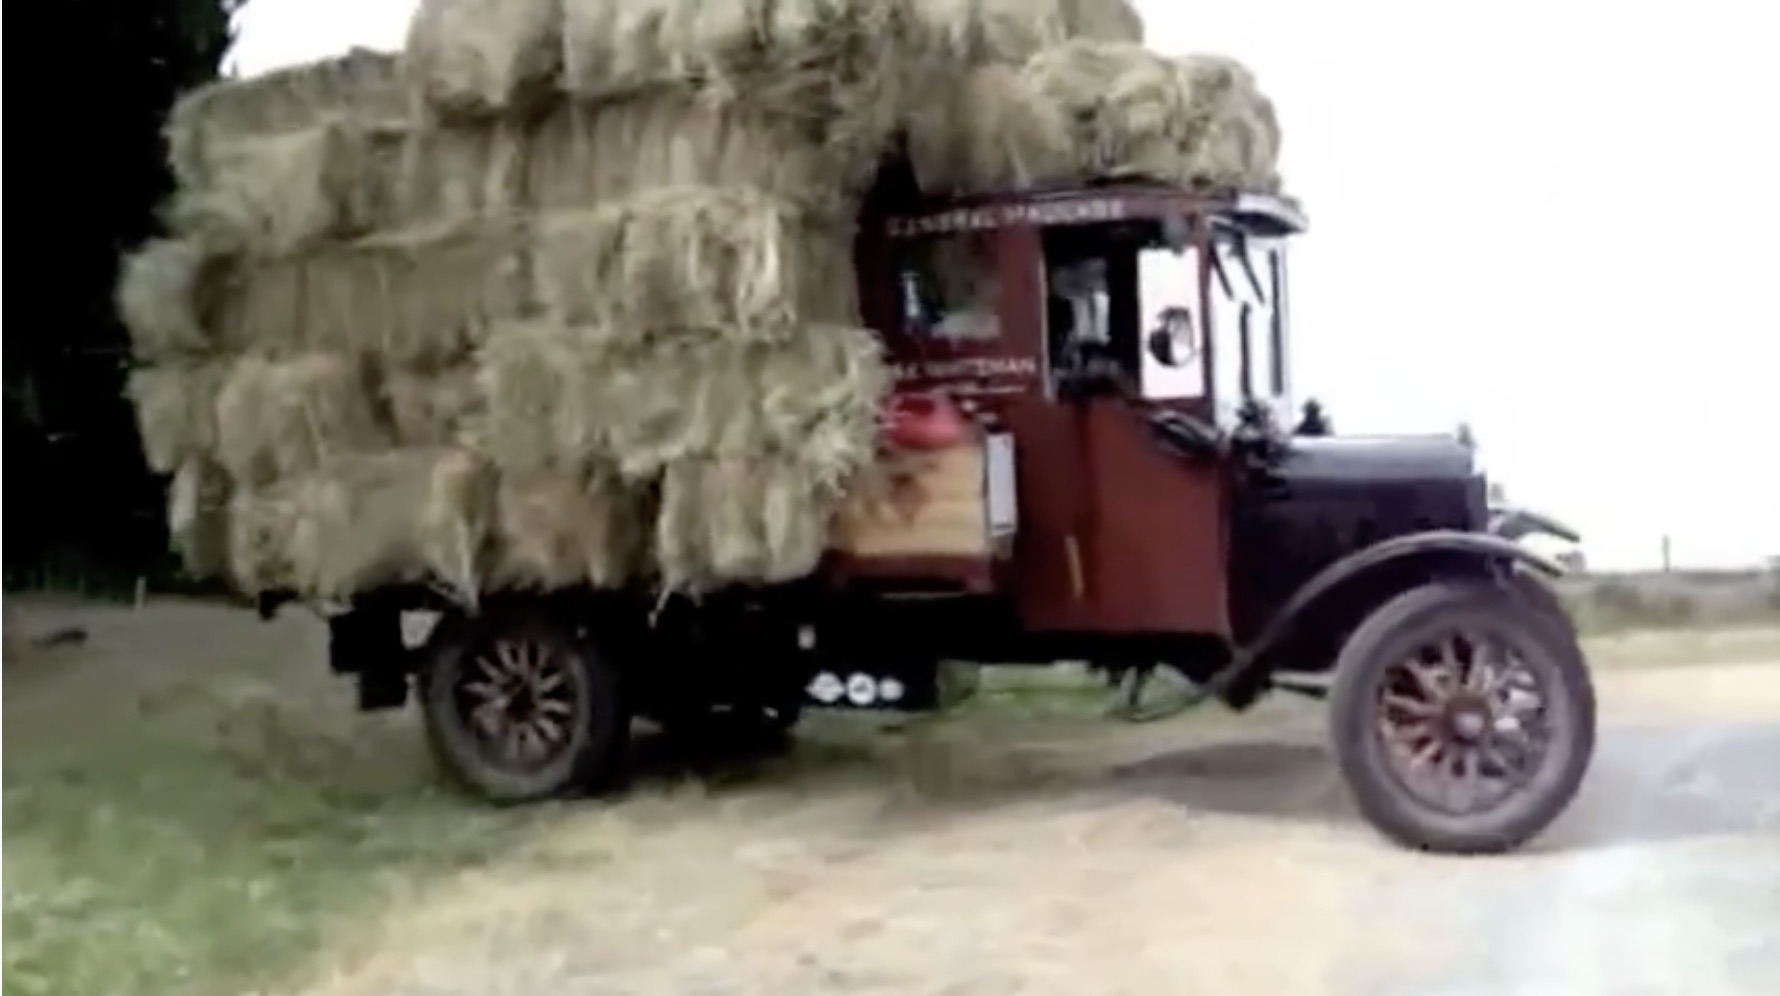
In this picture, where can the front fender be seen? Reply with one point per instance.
(1515, 523)
(1482, 548)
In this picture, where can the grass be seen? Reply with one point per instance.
(192, 806)
(172, 831)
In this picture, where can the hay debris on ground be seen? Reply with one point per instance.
(689, 258)
(475, 59)
(362, 84)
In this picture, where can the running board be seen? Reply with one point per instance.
(1313, 686)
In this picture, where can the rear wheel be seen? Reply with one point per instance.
(518, 709)
(1463, 716)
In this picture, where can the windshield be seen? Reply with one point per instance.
(1248, 317)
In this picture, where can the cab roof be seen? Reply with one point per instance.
(1261, 214)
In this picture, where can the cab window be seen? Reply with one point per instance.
(950, 290)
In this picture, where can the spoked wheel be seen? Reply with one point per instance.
(1464, 718)
(519, 710)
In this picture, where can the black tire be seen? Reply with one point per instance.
(1397, 631)
(592, 756)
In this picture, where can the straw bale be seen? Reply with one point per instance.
(406, 516)
(555, 530)
(559, 396)
(688, 258)
(817, 394)
(537, 382)
(279, 418)
(452, 174)
(428, 408)
(165, 293)
(756, 519)
(474, 59)
(675, 139)
(176, 411)
(413, 296)
(995, 133)
(617, 48)
(361, 83)
(276, 193)
(1103, 20)
(198, 518)
(1101, 110)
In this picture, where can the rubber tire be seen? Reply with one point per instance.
(599, 740)
(1390, 635)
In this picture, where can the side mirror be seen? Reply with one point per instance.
(1177, 235)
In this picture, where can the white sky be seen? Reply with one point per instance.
(1547, 217)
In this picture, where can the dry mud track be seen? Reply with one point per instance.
(1206, 852)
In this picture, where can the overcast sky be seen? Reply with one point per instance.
(1551, 218)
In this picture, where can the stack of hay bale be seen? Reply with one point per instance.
(564, 295)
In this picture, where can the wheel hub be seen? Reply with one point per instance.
(1469, 721)
(1460, 722)
(519, 702)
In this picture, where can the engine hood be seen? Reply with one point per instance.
(1380, 459)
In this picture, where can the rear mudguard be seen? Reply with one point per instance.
(1491, 551)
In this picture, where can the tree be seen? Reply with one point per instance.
(83, 499)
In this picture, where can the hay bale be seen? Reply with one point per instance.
(689, 258)
(362, 84)
(411, 297)
(1240, 146)
(450, 175)
(617, 49)
(817, 393)
(558, 397)
(1101, 110)
(198, 518)
(430, 408)
(995, 133)
(472, 59)
(402, 517)
(1103, 20)
(277, 193)
(757, 519)
(673, 139)
(556, 530)
(279, 419)
(165, 294)
(537, 382)
(176, 411)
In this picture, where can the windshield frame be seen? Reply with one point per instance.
(1261, 271)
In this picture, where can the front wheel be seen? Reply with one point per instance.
(1463, 718)
(518, 709)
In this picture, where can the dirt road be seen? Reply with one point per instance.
(1209, 855)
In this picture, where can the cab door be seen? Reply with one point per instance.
(1118, 534)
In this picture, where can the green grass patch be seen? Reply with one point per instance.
(201, 839)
